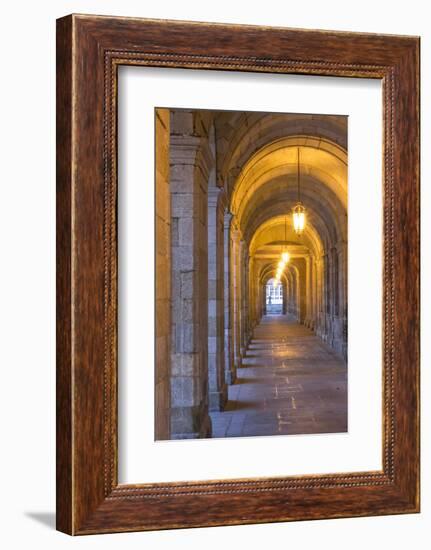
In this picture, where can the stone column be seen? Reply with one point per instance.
(243, 296)
(246, 297)
(289, 290)
(299, 271)
(251, 294)
(334, 332)
(318, 295)
(216, 376)
(343, 286)
(284, 286)
(327, 265)
(190, 164)
(230, 371)
(313, 293)
(236, 297)
(293, 293)
(308, 298)
(297, 297)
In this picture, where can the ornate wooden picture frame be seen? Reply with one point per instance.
(89, 51)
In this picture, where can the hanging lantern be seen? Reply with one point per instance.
(299, 210)
(299, 218)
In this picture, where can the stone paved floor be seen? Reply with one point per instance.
(291, 382)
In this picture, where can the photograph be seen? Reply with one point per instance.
(251, 278)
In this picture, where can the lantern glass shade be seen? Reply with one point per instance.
(299, 218)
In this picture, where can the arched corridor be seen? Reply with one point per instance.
(251, 308)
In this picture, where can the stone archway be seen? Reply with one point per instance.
(227, 196)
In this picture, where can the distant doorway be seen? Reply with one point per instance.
(274, 297)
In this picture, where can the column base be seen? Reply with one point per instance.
(230, 376)
(238, 363)
(190, 423)
(217, 399)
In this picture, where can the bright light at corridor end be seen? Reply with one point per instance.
(280, 267)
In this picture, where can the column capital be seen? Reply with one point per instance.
(188, 149)
(183, 149)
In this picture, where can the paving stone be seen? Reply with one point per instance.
(291, 383)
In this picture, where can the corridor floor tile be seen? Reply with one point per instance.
(290, 383)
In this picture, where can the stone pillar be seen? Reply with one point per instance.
(308, 298)
(230, 371)
(289, 292)
(216, 376)
(342, 282)
(236, 297)
(334, 333)
(243, 297)
(319, 297)
(248, 307)
(190, 164)
(251, 295)
(314, 293)
(324, 292)
(296, 293)
(163, 279)
(299, 277)
(292, 302)
(284, 291)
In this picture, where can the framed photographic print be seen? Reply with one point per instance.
(237, 274)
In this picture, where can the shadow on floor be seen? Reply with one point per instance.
(45, 518)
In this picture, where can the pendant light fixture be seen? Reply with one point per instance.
(299, 210)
